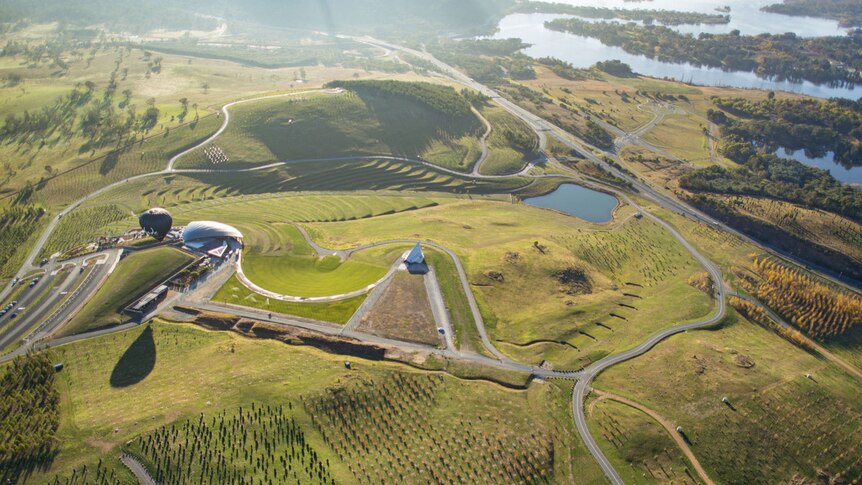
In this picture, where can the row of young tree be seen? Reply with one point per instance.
(29, 416)
(819, 310)
(831, 60)
(256, 444)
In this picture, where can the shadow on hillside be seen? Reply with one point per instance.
(137, 362)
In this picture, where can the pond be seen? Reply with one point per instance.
(850, 176)
(578, 201)
(583, 52)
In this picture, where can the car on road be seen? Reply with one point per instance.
(15, 280)
(3, 312)
(12, 316)
(33, 283)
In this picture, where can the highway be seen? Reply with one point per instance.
(543, 129)
(64, 299)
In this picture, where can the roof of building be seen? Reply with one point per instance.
(209, 229)
(415, 256)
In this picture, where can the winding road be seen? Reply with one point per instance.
(543, 129)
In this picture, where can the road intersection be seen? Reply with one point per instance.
(543, 129)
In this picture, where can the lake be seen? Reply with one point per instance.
(584, 52)
(850, 176)
(578, 201)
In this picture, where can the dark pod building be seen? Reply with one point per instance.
(156, 222)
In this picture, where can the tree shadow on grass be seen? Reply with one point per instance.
(137, 362)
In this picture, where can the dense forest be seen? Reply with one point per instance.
(664, 17)
(29, 416)
(810, 124)
(490, 61)
(832, 60)
(441, 98)
(782, 179)
(847, 12)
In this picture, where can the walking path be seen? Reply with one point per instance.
(667, 425)
(542, 128)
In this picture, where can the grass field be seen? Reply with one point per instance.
(131, 384)
(638, 447)
(682, 135)
(634, 268)
(512, 144)
(150, 156)
(134, 276)
(295, 270)
(340, 311)
(778, 423)
(325, 125)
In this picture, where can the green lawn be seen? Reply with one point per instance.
(134, 276)
(339, 311)
(295, 270)
(323, 126)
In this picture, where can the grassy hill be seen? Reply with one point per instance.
(777, 424)
(347, 124)
(134, 276)
(122, 389)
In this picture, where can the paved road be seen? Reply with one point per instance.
(50, 315)
(483, 141)
(337, 330)
(542, 129)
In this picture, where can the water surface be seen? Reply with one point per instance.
(578, 201)
(851, 176)
(583, 52)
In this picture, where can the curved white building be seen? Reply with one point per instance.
(214, 238)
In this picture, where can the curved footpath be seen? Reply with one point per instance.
(667, 425)
(542, 128)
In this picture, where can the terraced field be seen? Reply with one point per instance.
(255, 213)
(150, 156)
(325, 125)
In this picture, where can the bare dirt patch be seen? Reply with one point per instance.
(403, 312)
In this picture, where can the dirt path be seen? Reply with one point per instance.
(667, 425)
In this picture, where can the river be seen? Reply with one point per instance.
(745, 16)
